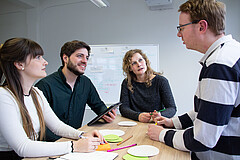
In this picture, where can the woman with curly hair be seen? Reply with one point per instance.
(144, 92)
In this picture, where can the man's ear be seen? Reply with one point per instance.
(19, 65)
(65, 58)
(203, 25)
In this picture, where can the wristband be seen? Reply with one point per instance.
(72, 146)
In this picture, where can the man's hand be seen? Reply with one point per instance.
(111, 116)
(154, 131)
(163, 121)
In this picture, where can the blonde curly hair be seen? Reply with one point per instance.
(130, 75)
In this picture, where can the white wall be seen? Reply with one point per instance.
(54, 22)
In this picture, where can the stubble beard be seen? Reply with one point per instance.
(73, 68)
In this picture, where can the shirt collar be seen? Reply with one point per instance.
(63, 76)
(214, 46)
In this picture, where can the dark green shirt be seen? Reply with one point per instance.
(69, 105)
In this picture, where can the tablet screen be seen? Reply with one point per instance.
(103, 113)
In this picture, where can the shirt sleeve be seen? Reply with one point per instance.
(213, 112)
(125, 109)
(55, 124)
(167, 98)
(94, 101)
(13, 133)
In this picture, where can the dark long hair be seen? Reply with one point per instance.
(17, 50)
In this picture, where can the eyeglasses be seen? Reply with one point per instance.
(181, 29)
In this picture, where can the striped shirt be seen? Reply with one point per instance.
(212, 129)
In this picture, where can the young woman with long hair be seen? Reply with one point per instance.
(24, 111)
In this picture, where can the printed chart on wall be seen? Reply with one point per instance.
(105, 67)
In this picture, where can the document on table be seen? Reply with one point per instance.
(99, 155)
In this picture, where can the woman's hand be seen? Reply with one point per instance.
(155, 115)
(144, 117)
(96, 133)
(88, 144)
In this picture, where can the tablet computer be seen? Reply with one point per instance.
(103, 113)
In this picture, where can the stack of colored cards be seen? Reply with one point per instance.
(131, 157)
(103, 147)
(112, 138)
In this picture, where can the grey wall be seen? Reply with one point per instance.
(53, 22)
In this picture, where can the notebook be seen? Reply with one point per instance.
(97, 155)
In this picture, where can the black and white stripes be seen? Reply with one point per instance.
(212, 130)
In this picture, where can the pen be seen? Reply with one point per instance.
(159, 111)
(121, 148)
(81, 136)
(125, 140)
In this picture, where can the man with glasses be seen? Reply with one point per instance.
(68, 90)
(212, 130)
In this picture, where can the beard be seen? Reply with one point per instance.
(73, 68)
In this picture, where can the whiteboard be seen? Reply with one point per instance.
(105, 67)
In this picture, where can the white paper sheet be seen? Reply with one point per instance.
(99, 155)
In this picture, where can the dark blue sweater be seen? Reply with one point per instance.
(147, 99)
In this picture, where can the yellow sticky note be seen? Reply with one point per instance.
(103, 147)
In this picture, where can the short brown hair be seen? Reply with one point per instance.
(70, 47)
(210, 10)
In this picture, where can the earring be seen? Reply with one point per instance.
(23, 69)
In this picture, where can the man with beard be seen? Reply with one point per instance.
(68, 90)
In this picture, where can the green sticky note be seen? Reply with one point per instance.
(131, 157)
(115, 140)
(111, 137)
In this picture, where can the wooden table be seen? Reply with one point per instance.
(139, 137)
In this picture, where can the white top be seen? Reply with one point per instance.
(13, 136)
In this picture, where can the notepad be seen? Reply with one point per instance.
(103, 147)
(112, 138)
(131, 157)
(99, 155)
